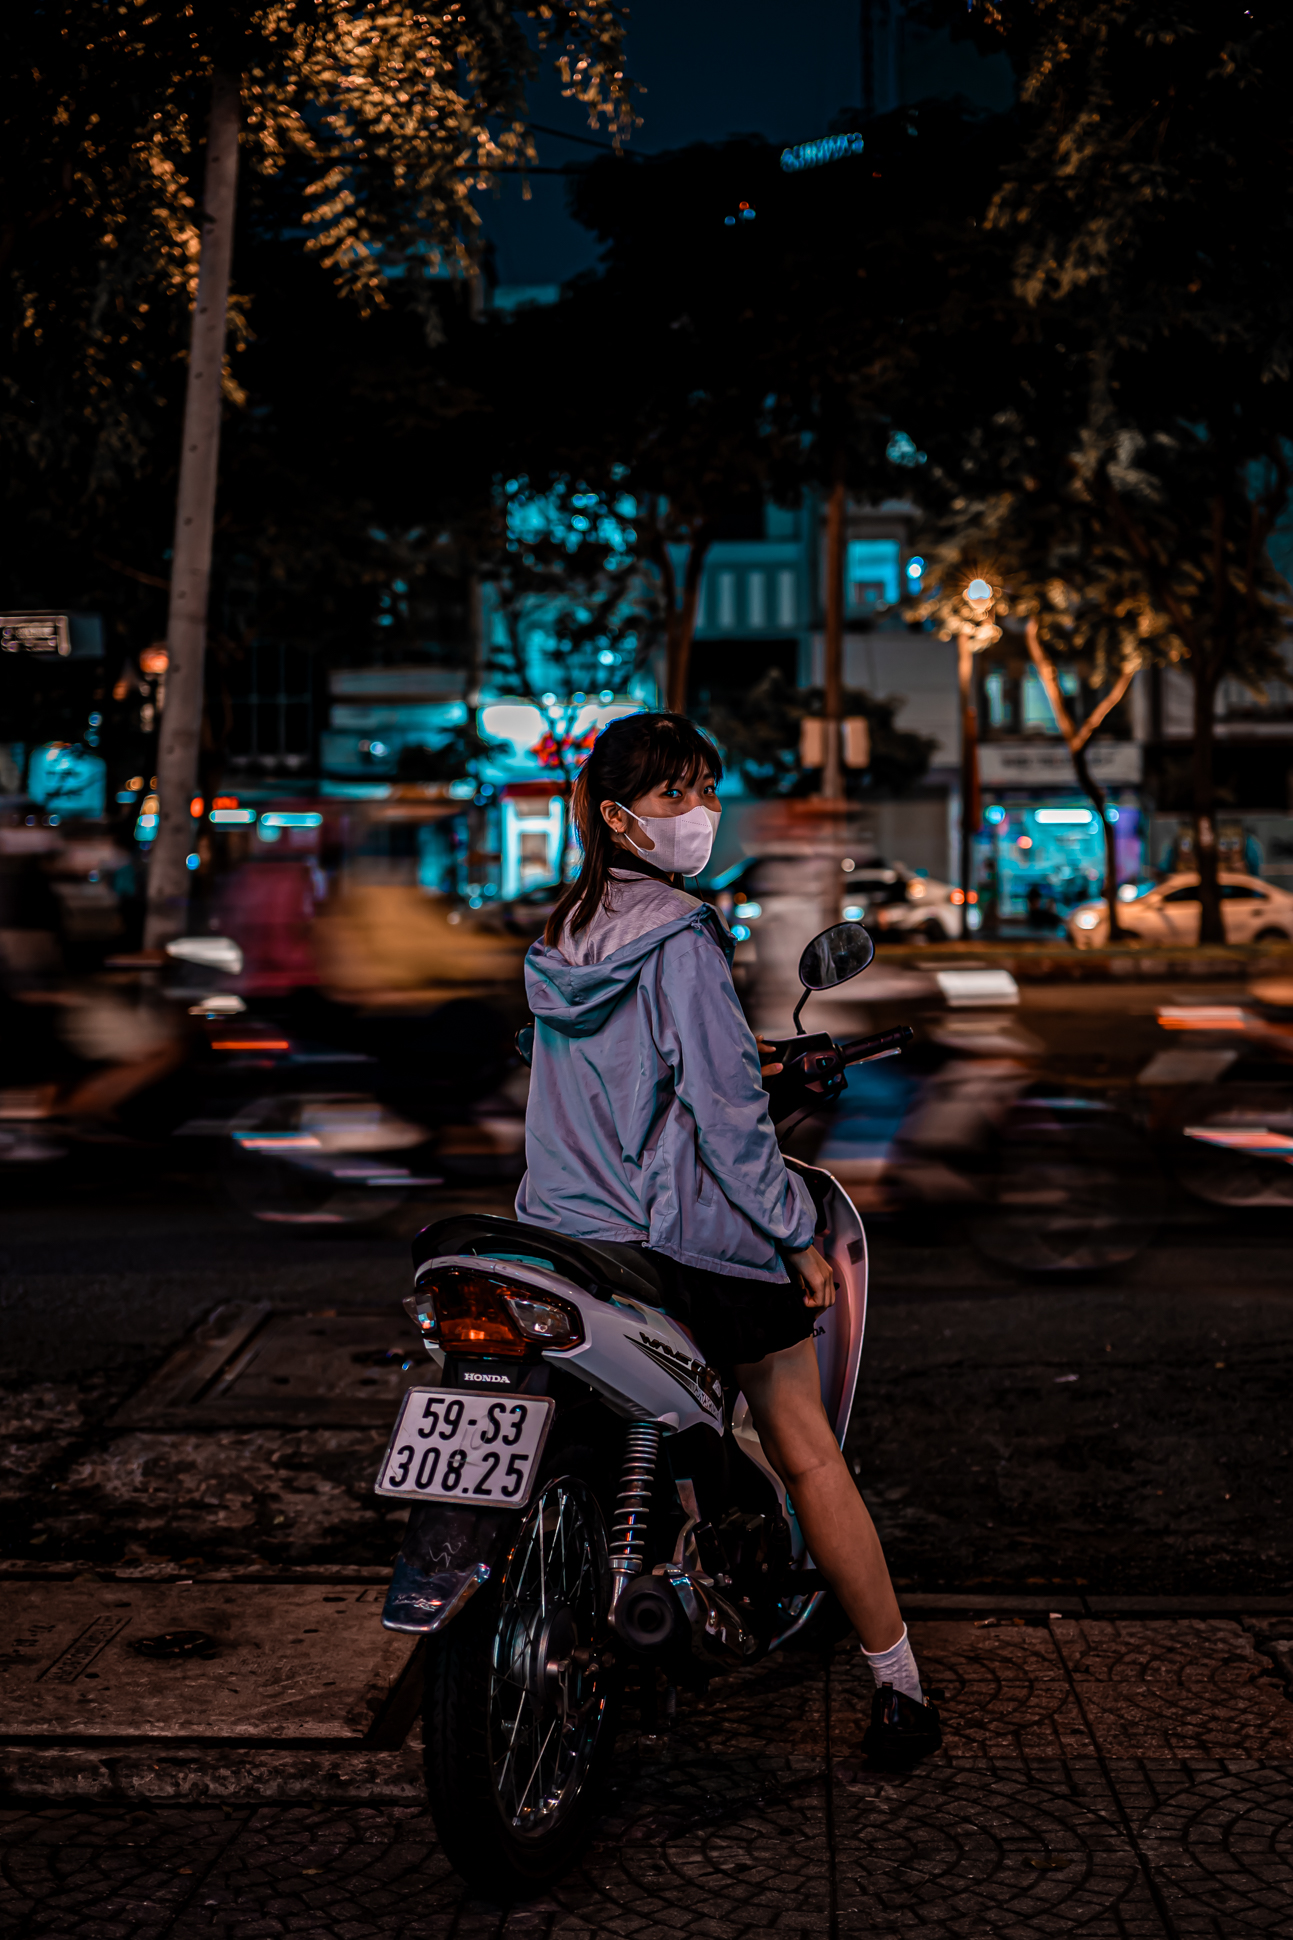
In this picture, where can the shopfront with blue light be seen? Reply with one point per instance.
(1039, 859)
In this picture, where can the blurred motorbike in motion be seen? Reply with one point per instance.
(1040, 1180)
(1221, 1098)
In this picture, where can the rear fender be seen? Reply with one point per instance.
(642, 1363)
(447, 1554)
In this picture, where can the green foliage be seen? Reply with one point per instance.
(366, 134)
(1125, 494)
(456, 757)
(762, 740)
(712, 364)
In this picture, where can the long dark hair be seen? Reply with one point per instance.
(629, 759)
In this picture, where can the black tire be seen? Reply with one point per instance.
(487, 1690)
(1228, 1178)
(1076, 1191)
(1271, 936)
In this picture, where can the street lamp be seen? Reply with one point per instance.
(971, 639)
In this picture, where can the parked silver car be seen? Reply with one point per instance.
(1168, 912)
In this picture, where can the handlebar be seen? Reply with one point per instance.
(813, 1064)
(883, 1044)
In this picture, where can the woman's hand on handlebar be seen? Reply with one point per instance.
(767, 1053)
(815, 1277)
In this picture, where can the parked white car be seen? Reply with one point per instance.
(891, 898)
(1168, 912)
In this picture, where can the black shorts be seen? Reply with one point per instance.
(733, 1320)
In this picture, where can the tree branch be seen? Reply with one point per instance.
(1050, 681)
(133, 572)
(1104, 708)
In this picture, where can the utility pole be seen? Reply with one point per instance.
(969, 772)
(833, 699)
(879, 29)
(186, 626)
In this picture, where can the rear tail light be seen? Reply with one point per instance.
(547, 1320)
(465, 1312)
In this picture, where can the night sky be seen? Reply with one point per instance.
(712, 68)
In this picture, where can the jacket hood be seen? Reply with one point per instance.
(577, 998)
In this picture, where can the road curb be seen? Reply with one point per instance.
(969, 1603)
(194, 1775)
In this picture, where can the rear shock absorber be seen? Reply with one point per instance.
(628, 1529)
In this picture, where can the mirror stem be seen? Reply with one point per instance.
(798, 1007)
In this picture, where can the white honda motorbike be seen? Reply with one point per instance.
(585, 1502)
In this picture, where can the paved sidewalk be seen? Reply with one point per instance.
(1100, 1779)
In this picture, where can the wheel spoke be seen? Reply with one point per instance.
(522, 1711)
(553, 1571)
(530, 1780)
(543, 1562)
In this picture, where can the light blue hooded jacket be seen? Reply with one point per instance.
(647, 1120)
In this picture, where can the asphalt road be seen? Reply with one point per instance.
(1126, 1433)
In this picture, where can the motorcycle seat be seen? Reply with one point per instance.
(603, 1267)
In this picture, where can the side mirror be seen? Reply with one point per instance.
(839, 953)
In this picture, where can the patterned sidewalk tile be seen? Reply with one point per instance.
(986, 1848)
(718, 1828)
(1218, 1838)
(102, 1875)
(365, 1874)
(734, 1825)
(1005, 1692)
(730, 1869)
(1190, 1688)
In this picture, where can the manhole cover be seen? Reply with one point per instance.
(176, 1643)
(249, 1366)
(270, 1663)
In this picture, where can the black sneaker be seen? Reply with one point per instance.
(901, 1732)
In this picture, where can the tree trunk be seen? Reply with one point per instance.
(682, 623)
(833, 683)
(1096, 796)
(1076, 740)
(1211, 924)
(181, 726)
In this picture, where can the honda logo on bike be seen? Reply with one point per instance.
(700, 1381)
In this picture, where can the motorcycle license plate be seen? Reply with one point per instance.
(452, 1446)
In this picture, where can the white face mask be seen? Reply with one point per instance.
(682, 842)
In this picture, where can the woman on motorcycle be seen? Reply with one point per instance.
(647, 1123)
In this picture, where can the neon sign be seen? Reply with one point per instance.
(816, 154)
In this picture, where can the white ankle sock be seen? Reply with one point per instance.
(896, 1666)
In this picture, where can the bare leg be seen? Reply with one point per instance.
(785, 1401)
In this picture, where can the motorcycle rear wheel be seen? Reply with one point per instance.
(520, 1709)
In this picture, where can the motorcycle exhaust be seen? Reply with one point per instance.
(649, 1616)
(667, 1610)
